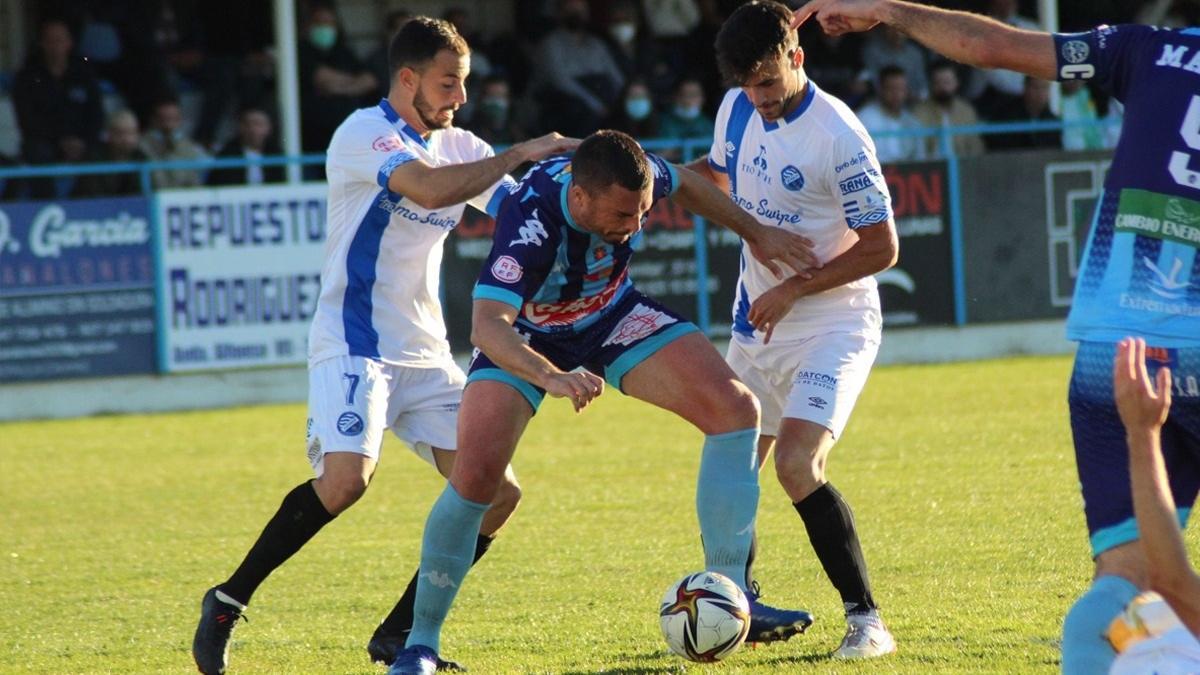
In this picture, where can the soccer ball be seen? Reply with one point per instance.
(704, 617)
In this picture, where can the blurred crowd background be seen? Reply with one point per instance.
(136, 80)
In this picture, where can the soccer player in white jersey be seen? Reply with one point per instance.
(798, 158)
(399, 176)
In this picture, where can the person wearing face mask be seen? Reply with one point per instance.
(631, 46)
(575, 82)
(637, 116)
(334, 82)
(165, 141)
(945, 108)
(493, 120)
(686, 118)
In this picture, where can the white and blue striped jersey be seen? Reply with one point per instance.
(383, 255)
(813, 172)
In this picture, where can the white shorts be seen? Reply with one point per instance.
(816, 378)
(352, 400)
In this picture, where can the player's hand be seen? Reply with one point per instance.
(775, 243)
(582, 387)
(838, 17)
(541, 147)
(771, 307)
(1142, 404)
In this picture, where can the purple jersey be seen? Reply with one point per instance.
(559, 276)
(1140, 273)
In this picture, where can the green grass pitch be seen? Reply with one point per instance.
(961, 478)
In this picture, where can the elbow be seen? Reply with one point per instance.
(889, 253)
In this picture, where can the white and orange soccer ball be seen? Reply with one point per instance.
(704, 617)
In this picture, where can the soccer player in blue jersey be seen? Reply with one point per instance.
(1140, 274)
(556, 313)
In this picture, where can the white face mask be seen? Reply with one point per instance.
(623, 32)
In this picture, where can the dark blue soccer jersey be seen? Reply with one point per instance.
(1140, 273)
(559, 276)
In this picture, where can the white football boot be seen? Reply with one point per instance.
(866, 637)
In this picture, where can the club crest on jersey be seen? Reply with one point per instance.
(349, 424)
(532, 232)
(507, 269)
(1075, 51)
(792, 178)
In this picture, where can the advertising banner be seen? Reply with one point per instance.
(239, 275)
(919, 290)
(1026, 217)
(76, 289)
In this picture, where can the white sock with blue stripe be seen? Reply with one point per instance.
(1085, 649)
(727, 501)
(447, 551)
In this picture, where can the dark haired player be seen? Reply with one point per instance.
(556, 313)
(399, 179)
(1140, 274)
(798, 158)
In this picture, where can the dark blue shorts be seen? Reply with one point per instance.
(1101, 454)
(629, 333)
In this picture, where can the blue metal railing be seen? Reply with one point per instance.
(689, 149)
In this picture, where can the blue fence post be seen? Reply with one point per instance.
(957, 262)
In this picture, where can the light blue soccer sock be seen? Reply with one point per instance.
(727, 501)
(447, 550)
(1085, 650)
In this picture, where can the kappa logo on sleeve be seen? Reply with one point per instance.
(507, 269)
(532, 232)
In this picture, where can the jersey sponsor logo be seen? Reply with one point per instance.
(387, 144)
(567, 312)
(1075, 51)
(349, 424)
(641, 322)
(856, 183)
(1159, 216)
(532, 232)
(760, 160)
(507, 269)
(766, 211)
(1168, 286)
(860, 158)
(399, 210)
(792, 178)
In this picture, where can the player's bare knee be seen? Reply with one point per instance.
(1126, 560)
(735, 409)
(339, 492)
(800, 473)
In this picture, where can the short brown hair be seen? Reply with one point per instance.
(420, 39)
(754, 34)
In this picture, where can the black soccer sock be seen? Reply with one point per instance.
(400, 619)
(300, 516)
(830, 526)
(750, 561)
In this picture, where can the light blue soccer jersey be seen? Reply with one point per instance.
(1140, 273)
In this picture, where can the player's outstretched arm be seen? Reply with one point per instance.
(767, 244)
(1143, 405)
(492, 332)
(877, 249)
(438, 187)
(972, 39)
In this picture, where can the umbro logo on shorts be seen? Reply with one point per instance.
(817, 402)
(350, 424)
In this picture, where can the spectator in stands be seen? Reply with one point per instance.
(633, 48)
(236, 69)
(686, 118)
(11, 189)
(333, 81)
(58, 104)
(1033, 106)
(255, 139)
(165, 141)
(576, 82)
(494, 121)
(1003, 89)
(121, 144)
(670, 23)
(1077, 106)
(888, 112)
(636, 115)
(377, 62)
(945, 108)
(119, 41)
(835, 63)
(887, 46)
